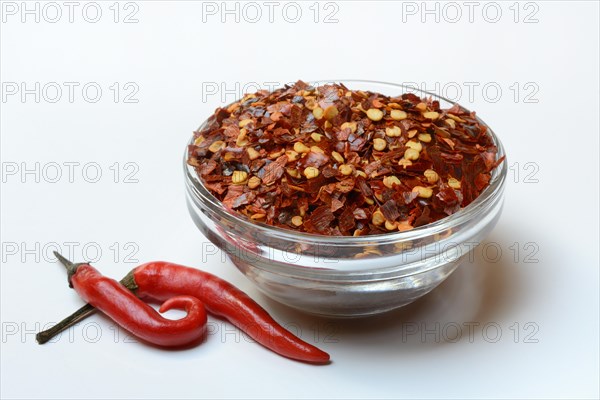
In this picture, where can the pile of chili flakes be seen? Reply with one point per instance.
(332, 161)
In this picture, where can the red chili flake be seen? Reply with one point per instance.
(311, 159)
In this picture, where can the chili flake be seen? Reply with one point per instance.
(333, 161)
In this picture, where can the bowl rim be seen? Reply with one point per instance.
(489, 194)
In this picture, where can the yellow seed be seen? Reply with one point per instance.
(411, 154)
(357, 232)
(456, 118)
(393, 131)
(451, 123)
(252, 153)
(369, 201)
(425, 137)
(390, 181)
(431, 175)
(228, 156)
(412, 144)
(404, 226)
(423, 192)
(379, 144)
(411, 133)
(361, 173)
(254, 182)
(276, 154)
(292, 155)
(299, 147)
(404, 162)
(390, 225)
(258, 216)
(311, 172)
(378, 218)
(297, 220)
(374, 114)
(454, 183)
(239, 177)
(316, 149)
(318, 112)
(316, 136)
(311, 104)
(327, 125)
(379, 197)
(330, 112)
(346, 169)
(351, 125)
(216, 146)
(244, 122)
(293, 172)
(431, 115)
(242, 140)
(199, 140)
(421, 107)
(337, 156)
(398, 115)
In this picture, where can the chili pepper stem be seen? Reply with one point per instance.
(71, 266)
(43, 337)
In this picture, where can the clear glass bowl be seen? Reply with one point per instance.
(348, 276)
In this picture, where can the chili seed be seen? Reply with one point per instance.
(300, 147)
(316, 149)
(318, 112)
(239, 177)
(254, 182)
(378, 218)
(390, 225)
(423, 192)
(293, 172)
(337, 156)
(411, 154)
(404, 226)
(398, 115)
(292, 155)
(390, 181)
(316, 137)
(331, 112)
(379, 144)
(431, 115)
(411, 133)
(311, 172)
(252, 153)
(346, 169)
(216, 146)
(424, 137)
(297, 220)
(374, 114)
(431, 175)
(405, 162)
(244, 122)
(421, 107)
(414, 145)
(451, 123)
(454, 183)
(351, 125)
(393, 131)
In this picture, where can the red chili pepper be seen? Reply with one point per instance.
(123, 307)
(162, 280)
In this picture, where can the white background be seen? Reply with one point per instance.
(543, 299)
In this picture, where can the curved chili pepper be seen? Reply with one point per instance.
(123, 307)
(162, 280)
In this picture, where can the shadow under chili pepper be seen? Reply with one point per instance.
(478, 292)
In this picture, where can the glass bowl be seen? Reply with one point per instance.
(345, 276)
